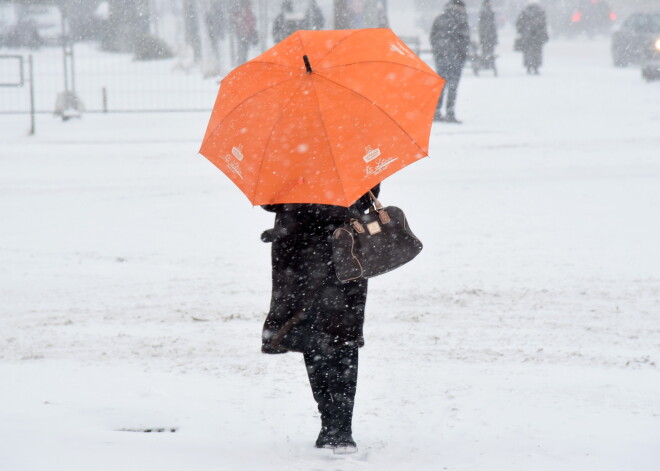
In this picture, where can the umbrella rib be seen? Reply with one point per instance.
(263, 156)
(239, 104)
(432, 74)
(327, 138)
(338, 43)
(325, 131)
(381, 110)
(253, 61)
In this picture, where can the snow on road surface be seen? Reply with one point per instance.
(526, 336)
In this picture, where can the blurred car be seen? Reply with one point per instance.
(651, 68)
(592, 17)
(580, 17)
(638, 40)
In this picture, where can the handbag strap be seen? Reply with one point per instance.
(382, 214)
(375, 201)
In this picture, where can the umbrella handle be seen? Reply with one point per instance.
(308, 66)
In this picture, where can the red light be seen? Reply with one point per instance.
(612, 16)
(577, 16)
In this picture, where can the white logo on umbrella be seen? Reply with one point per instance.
(237, 152)
(371, 154)
(379, 167)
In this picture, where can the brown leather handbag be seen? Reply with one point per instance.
(373, 244)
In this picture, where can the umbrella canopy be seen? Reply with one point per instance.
(322, 117)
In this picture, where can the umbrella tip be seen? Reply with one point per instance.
(308, 66)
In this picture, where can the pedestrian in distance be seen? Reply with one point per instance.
(244, 29)
(314, 18)
(450, 43)
(215, 26)
(532, 31)
(286, 22)
(314, 313)
(487, 35)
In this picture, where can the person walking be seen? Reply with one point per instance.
(286, 22)
(314, 18)
(313, 313)
(450, 43)
(215, 27)
(244, 29)
(532, 29)
(487, 34)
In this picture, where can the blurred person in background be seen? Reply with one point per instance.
(382, 21)
(215, 27)
(244, 29)
(487, 34)
(286, 22)
(533, 34)
(314, 18)
(450, 43)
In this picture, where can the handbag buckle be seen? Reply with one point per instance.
(374, 228)
(383, 216)
(359, 228)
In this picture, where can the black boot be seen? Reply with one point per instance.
(333, 378)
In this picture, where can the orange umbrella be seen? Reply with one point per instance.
(322, 117)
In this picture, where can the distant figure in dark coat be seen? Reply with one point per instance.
(382, 20)
(533, 31)
(244, 28)
(314, 313)
(314, 18)
(215, 26)
(286, 22)
(450, 42)
(487, 34)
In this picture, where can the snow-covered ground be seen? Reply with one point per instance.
(526, 336)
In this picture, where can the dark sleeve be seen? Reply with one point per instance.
(436, 33)
(273, 208)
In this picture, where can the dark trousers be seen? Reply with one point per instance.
(452, 74)
(242, 48)
(333, 378)
(533, 56)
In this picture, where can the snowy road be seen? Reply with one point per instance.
(526, 336)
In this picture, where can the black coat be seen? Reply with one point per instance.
(487, 29)
(532, 27)
(450, 38)
(310, 308)
(285, 25)
(314, 17)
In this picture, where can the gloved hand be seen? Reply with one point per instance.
(271, 235)
(268, 235)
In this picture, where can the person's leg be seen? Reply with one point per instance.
(242, 47)
(439, 66)
(452, 92)
(333, 379)
(343, 386)
(317, 372)
(538, 60)
(527, 57)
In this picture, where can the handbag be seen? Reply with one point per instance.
(518, 44)
(373, 244)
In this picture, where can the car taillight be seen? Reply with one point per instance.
(577, 16)
(612, 16)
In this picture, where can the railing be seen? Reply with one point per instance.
(12, 78)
